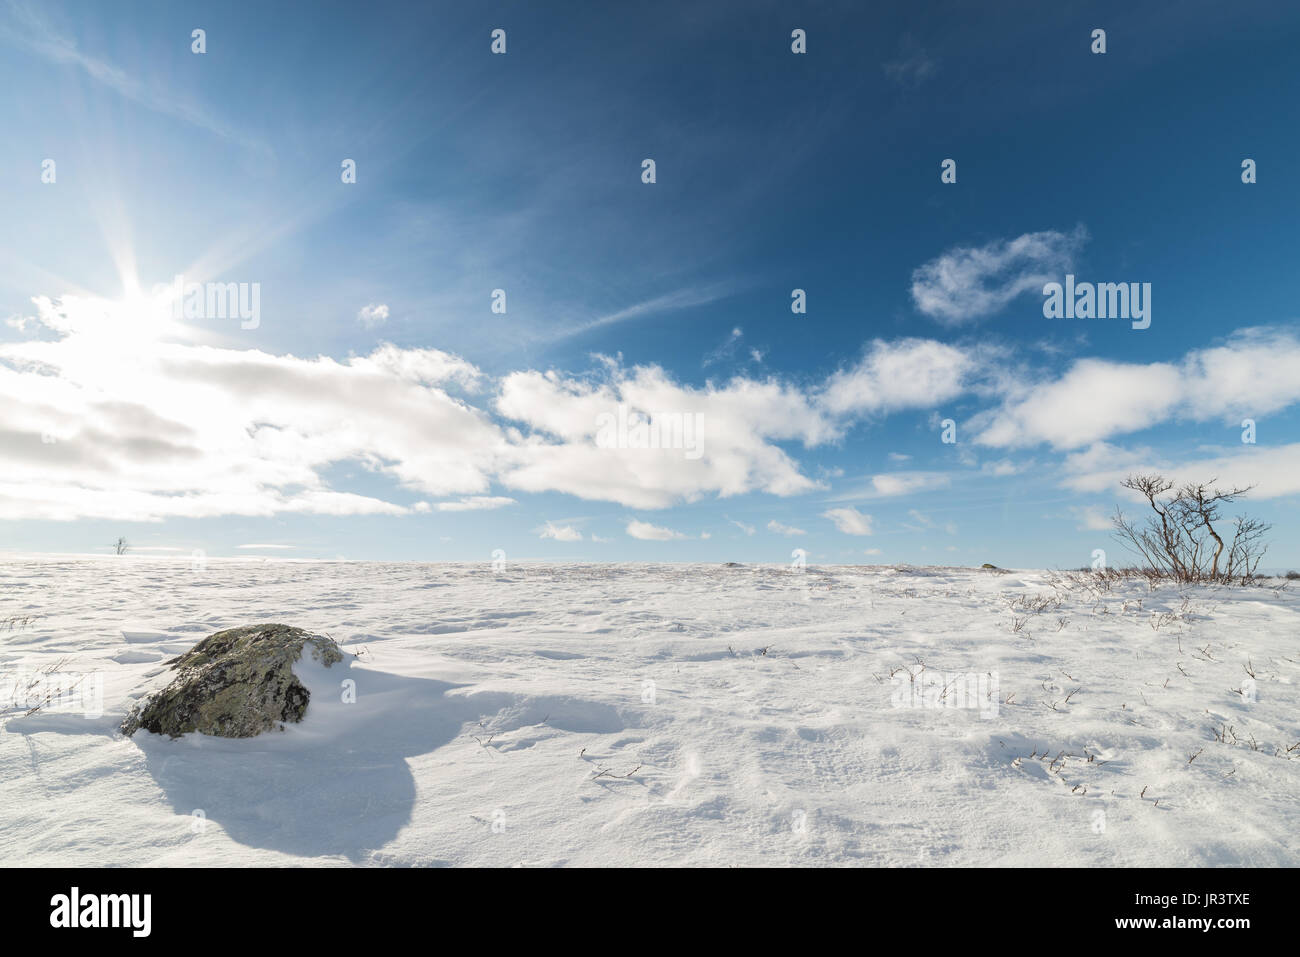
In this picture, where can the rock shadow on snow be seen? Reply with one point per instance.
(338, 784)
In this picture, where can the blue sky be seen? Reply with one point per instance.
(379, 409)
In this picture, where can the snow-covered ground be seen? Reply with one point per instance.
(665, 714)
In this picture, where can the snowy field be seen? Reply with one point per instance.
(664, 715)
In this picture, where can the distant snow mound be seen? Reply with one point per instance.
(234, 684)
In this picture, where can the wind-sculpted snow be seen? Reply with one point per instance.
(660, 714)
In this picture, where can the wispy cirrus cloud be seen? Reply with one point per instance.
(726, 349)
(476, 503)
(913, 65)
(922, 522)
(967, 283)
(27, 28)
(781, 528)
(895, 485)
(686, 298)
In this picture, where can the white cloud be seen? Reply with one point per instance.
(1254, 373)
(747, 529)
(726, 349)
(373, 315)
(1002, 468)
(267, 547)
(425, 366)
(561, 533)
(1091, 518)
(247, 432)
(912, 66)
(780, 529)
(894, 484)
(969, 282)
(849, 520)
(740, 422)
(1094, 399)
(120, 413)
(251, 433)
(906, 373)
(118, 419)
(475, 503)
(1102, 466)
(1273, 470)
(652, 533)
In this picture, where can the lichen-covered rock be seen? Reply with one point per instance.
(234, 684)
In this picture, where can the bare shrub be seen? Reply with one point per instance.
(1183, 537)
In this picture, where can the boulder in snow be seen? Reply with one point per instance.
(234, 684)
